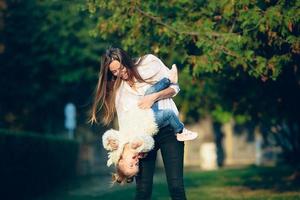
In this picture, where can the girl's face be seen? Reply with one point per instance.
(118, 70)
(129, 161)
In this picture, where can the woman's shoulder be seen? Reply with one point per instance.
(149, 66)
(147, 58)
(151, 56)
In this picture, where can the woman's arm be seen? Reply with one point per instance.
(166, 93)
(148, 100)
(155, 69)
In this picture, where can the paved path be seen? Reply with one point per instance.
(89, 188)
(82, 188)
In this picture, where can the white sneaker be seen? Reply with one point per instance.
(173, 74)
(186, 135)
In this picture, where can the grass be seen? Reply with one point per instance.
(251, 183)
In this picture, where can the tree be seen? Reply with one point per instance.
(243, 55)
(50, 58)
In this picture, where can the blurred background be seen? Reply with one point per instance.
(240, 90)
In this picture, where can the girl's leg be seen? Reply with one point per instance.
(168, 117)
(164, 82)
(173, 154)
(160, 85)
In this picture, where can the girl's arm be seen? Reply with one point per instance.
(142, 143)
(110, 140)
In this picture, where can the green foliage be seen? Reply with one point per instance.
(227, 33)
(50, 59)
(237, 59)
(243, 56)
(220, 43)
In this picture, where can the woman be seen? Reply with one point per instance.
(121, 86)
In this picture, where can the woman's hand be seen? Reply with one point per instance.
(147, 101)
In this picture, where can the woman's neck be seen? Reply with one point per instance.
(131, 83)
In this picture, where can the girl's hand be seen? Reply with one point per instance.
(147, 101)
(136, 144)
(113, 144)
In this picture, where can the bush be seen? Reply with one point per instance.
(31, 163)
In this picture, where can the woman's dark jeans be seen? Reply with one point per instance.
(172, 153)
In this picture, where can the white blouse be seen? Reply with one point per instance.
(150, 69)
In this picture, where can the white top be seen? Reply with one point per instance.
(150, 69)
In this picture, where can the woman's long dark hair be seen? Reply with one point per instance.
(105, 92)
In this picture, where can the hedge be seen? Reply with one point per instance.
(33, 163)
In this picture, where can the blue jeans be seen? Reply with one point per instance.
(164, 117)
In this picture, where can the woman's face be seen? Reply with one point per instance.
(118, 70)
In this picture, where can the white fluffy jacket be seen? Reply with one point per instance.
(139, 125)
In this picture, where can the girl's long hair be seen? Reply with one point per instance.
(105, 92)
(120, 177)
